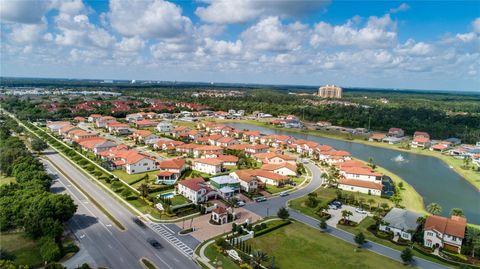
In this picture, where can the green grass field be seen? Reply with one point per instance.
(132, 178)
(299, 246)
(367, 222)
(218, 259)
(26, 250)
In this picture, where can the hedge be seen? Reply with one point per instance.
(272, 228)
(161, 188)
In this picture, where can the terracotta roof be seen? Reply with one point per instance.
(95, 116)
(351, 163)
(440, 146)
(165, 174)
(78, 118)
(238, 147)
(378, 136)
(142, 133)
(91, 143)
(257, 146)
(209, 161)
(246, 175)
(57, 123)
(360, 171)
(145, 122)
(225, 139)
(276, 166)
(421, 139)
(252, 133)
(220, 210)
(214, 137)
(228, 158)
(189, 146)
(454, 226)
(270, 175)
(208, 148)
(336, 153)
(323, 148)
(361, 183)
(424, 134)
(194, 184)
(172, 164)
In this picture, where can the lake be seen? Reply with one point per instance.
(430, 177)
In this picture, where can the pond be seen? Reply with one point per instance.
(430, 177)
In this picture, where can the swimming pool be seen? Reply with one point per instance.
(168, 195)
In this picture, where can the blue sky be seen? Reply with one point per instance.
(388, 44)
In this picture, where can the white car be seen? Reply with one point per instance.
(360, 211)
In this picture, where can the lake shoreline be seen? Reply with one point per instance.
(339, 137)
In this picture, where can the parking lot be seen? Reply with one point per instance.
(337, 215)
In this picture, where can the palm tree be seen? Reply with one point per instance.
(370, 202)
(346, 215)
(361, 202)
(466, 162)
(384, 206)
(258, 256)
(457, 212)
(144, 189)
(434, 208)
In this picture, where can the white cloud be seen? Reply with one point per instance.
(402, 7)
(24, 11)
(415, 49)
(476, 25)
(148, 18)
(240, 11)
(131, 44)
(378, 32)
(222, 47)
(27, 33)
(270, 34)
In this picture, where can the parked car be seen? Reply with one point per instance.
(284, 193)
(139, 222)
(334, 207)
(154, 243)
(337, 203)
(260, 199)
(240, 204)
(360, 211)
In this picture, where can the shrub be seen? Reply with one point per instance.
(49, 250)
(271, 228)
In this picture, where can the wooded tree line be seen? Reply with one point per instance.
(28, 205)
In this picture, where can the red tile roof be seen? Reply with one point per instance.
(172, 164)
(228, 158)
(209, 161)
(454, 226)
(360, 171)
(220, 210)
(361, 183)
(194, 184)
(270, 175)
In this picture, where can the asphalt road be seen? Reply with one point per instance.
(102, 241)
(271, 206)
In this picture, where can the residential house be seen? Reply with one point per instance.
(270, 178)
(79, 135)
(187, 149)
(196, 190)
(275, 158)
(252, 136)
(362, 186)
(226, 141)
(447, 233)
(165, 127)
(334, 156)
(285, 169)
(210, 166)
(377, 137)
(421, 140)
(145, 123)
(93, 118)
(134, 117)
(96, 145)
(143, 136)
(79, 119)
(441, 146)
(167, 144)
(247, 178)
(228, 160)
(118, 128)
(255, 149)
(179, 130)
(401, 223)
(207, 151)
(66, 129)
(102, 121)
(225, 185)
(396, 132)
(170, 170)
(54, 126)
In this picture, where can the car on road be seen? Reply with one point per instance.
(284, 193)
(154, 243)
(139, 222)
(260, 199)
(360, 211)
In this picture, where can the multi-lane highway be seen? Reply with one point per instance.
(101, 241)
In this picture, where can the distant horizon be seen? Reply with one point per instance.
(251, 84)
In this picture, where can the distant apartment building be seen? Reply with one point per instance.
(330, 91)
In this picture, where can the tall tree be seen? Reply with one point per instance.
(434, 208)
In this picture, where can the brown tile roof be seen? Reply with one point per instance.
(275, 166)
(454, 226)
(172, 164)
(220, 210)
(208, 148)
(194, 184)
(270, 175)
(360, 171)
(209, 161)
(361, 183)
(228, 158)
(246, 175)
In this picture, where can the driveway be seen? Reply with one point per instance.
(204, 230)
(337, 215)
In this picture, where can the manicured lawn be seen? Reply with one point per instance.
(367, 222)
(26, 250)
(6, 180)
(179, 200)
(132, 178)
(218, 259)
(300, 246)
(274, 189)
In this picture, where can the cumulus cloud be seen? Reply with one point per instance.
(148, 19)
(378, 32)
(240, 11)
(131, 44)
(28, 33)
(24, 11)
(270, 34)
(402, 7)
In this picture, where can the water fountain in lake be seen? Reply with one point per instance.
(399, 159)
